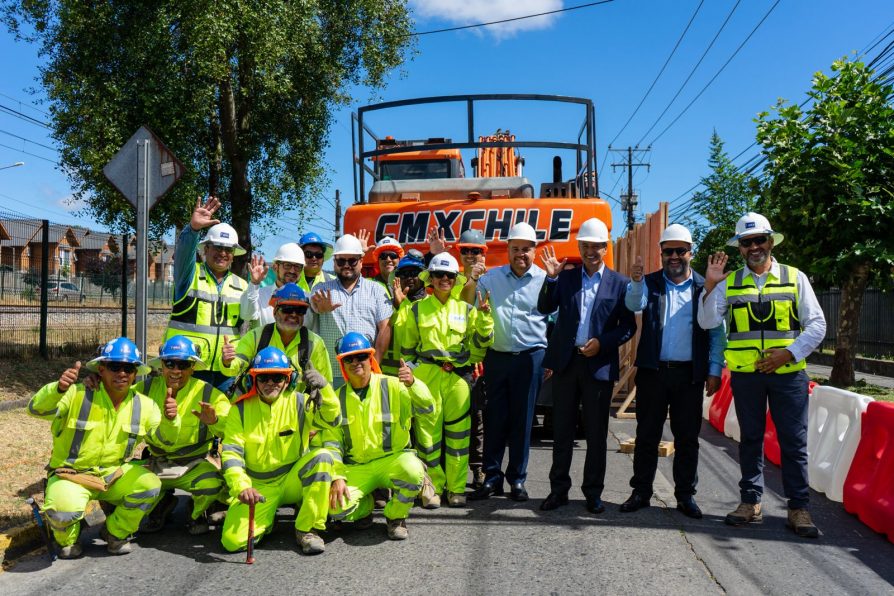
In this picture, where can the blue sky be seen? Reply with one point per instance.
(609, 53)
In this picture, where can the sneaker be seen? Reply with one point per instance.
(198, 526)
(456, 499)
(799, 520)
(115, 546)
(745, 513)
(310, 542)
(72, 551)
(364, 523)
(158, 517)
(397, 529)
(429, 498)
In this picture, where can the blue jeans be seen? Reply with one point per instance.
(512, 382)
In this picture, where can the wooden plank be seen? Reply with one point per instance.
(665, 448)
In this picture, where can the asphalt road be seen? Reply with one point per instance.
(500, 547)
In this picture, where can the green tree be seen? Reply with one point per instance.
(830, 178)
(105, 273)
(728, 195)
(242, 92)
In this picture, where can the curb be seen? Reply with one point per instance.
(12, 404)
(20, 540)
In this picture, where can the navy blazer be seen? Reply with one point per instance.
(611, 323)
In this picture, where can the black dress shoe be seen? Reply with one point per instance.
(517, 492)
(553, 501)
(492, 487)
(595, 506)
(634, 503)
(689, 508)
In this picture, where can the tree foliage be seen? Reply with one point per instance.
(242, 92)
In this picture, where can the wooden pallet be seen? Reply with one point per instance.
(665, 448)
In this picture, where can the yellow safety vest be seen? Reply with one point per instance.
(250, 345)
(307, 287)
(453, 332)
(205, 315)
(90, 435)
(762, 319)
(195, 438)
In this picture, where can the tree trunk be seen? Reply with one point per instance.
(240, 188)
(849, 326)
(214, 155)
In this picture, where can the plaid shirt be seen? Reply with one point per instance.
(361, 310)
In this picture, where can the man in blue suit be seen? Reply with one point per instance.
(583, 355)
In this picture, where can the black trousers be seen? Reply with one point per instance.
(657, 392)
(575, 388)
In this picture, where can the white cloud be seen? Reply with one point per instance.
(469, 12)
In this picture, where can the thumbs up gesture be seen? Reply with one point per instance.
(636, 272)
(69, 377)
(170, 405)
(227, 352)
(405, 374)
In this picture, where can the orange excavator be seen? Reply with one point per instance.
(421, 184)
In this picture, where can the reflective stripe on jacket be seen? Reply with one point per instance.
(453, 331)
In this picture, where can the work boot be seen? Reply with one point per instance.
(429, 498)
(217, 513)
(799, 520)
(745, 513)
(397, 529)
(198, 526)
(456, 499)
(310, 542)
(380, 497)
(72, 551)
(156, 520)
(364, 523)
(115, 546)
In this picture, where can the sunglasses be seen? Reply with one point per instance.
(355, 358)
(389, 255)
(313, 255)
(757, 240)
(290, 266)
(177, 364)
(117, 367)
(226, 249)
(293, 309)
(440, 274)
(271, 378)
(408, 273)
(679, 251)
(352, 262)
(471, 251)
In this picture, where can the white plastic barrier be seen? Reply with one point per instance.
(731, 423)
(833, 432)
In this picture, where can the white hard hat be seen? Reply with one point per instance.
(289, 252)
(676, 232)
(751, 224)
(388, 241)
(442, 262)
(522, 231)
(593, 230)
(348, 245)
(223, 235)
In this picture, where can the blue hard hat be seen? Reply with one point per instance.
(314, 238)
(271, 359)
(289, 293)
(120, 349)
(410, 261)
(352, 343)
(179, 348)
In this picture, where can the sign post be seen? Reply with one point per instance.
(143, 171)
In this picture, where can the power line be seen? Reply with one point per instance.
(26, 104)
(21, 116)
(31, 154)
(528, 16)
(28, 140)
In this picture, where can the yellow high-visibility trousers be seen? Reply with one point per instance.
(204, 482)
(402, 472)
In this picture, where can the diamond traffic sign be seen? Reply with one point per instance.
(157, 172)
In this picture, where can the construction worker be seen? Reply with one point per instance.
(375, 437)
(203, 413)
(774, 322)
(288, 264)
(386, 254)
(406, 288)
(266, 456)
(472, 254)
(304, 348)
(94, 434)
(207, 297)
(316, 252)
(446, 337)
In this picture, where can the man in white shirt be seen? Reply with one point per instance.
(288, 264)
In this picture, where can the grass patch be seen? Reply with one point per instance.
(876, 392)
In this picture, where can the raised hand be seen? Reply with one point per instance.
(437, 241)
(170, 405)
(69, 377)
(207, 416)
(322, 301)
(715, 274)
(363, 237)
(636, 272)
(398, 292)
(405, 374)
(203, 214)
(478, 269)
(484, 303)
(258, 269)
(551, 264)
(227, 352)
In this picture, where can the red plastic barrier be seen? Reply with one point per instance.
(771, 440)
(869, 487)
(722, 400)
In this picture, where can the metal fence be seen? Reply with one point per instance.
(876, 335)
(64, 288)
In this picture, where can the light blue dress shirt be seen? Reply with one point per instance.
(589, 288)
(518, 325)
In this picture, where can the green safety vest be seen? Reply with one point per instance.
(762, 319)
(453, 332)
(205, 315)
(379, 424)
(321, 277)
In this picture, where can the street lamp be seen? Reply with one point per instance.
(15, 165)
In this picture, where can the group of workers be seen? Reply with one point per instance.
(341, 394)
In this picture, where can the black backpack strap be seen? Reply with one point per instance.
(266, 336)
(303, 348)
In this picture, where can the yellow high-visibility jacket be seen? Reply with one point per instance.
(453, 331)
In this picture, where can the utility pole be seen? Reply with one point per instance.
(337, 212)
(630, 200)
